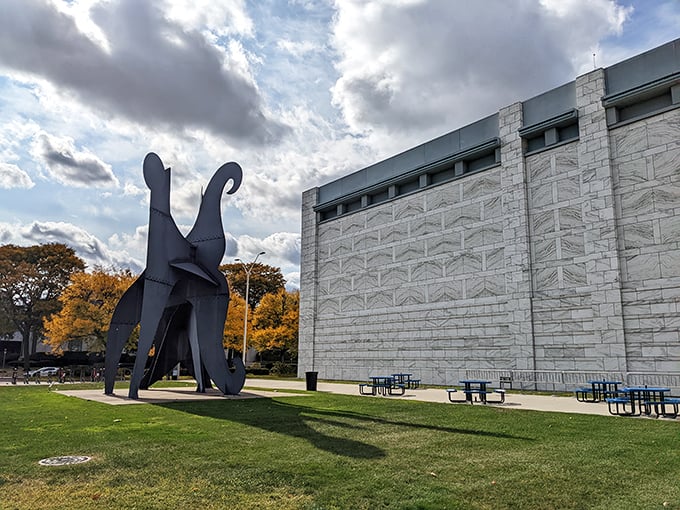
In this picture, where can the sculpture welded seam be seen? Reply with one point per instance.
(180, 300)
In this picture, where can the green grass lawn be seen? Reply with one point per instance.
(322, 451)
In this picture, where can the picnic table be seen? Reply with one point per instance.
(472, 387)
(599, 390)
(383, 385)
(475, 387)
(636, 400)
(406, 380)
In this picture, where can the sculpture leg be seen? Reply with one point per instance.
(117, 336)
(171, 344)
(195, 352)
(156, 296)
(125, 318)
(210, 315)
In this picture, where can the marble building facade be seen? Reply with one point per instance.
(544, 238)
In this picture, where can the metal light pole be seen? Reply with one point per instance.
(247, 268)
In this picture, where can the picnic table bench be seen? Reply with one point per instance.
(638, 400)
(383, 385)
(598, 391)
(483, 395)
(504, 380)
(660, 406)
(406, 380)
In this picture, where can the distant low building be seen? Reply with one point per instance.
(12, 345)
(543, 239)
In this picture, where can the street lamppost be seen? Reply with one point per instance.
(247, 268)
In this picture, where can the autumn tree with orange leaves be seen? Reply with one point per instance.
(233, 326)
(87, 305)
(275, 322)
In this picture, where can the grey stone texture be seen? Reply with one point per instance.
(567, 259)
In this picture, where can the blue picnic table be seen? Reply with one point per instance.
(383, 385)
(599, 390)
(636, 400)
(475, 387)
(406, 380)
(480, 387)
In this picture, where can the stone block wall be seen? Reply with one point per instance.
(646, 160)
(415, 284)
(562, 309)
(308, 283)
(577, 308)
(566, 259)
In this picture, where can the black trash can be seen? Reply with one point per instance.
(311, 380)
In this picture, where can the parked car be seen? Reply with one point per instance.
(43, 372)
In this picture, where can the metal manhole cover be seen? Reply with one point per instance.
(64, 460)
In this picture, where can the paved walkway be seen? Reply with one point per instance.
(512, 400)
(259, 388)
(165, 395)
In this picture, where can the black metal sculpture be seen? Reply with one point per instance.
(180, 300)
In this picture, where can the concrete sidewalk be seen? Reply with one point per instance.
(512, 400)
(165, 395)
(269, 388)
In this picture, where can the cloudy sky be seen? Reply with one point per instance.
(298, 92)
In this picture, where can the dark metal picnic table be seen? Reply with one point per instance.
(636, 400)
(401, 378)
(604, 388)
(599, 390)
(475, 386)
(406, 380)
(383, 385)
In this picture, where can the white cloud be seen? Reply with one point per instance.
(292, 280)
(11, 176)
(418, 67)
(87, 246)
(299, 93)
(220, 18)
(297, 48)
(71, 166)
(170, 74)
(282, 247)
(132, 189)
(315, 153)
(135, 243)
(567, 10)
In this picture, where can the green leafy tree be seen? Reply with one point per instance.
(264, 279)
(31, 280)
(87, 305)
(275, 322)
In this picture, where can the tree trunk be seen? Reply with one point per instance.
(25, 344)
(34, 340)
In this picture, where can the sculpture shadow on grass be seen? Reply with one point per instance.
(298, 421)
(287, 419)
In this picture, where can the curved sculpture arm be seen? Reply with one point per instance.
(208, 233)
(224, 173)
(209, 220)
